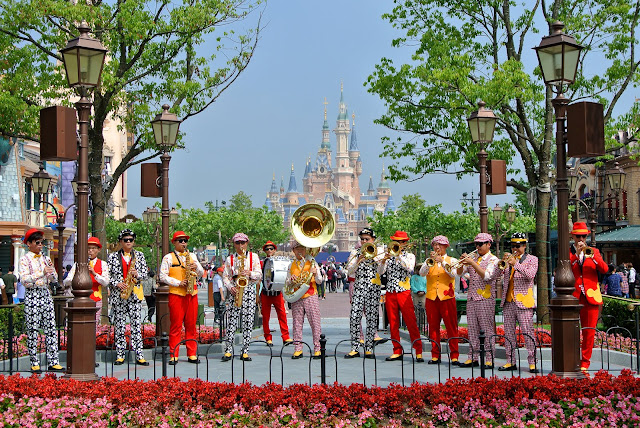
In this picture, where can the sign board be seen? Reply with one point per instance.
(225, 253)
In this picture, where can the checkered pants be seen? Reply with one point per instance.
(248, 310)
(481, 316)
(513, 313)
(311, 307)
(39, 314)
(122, 309)
(364, 299)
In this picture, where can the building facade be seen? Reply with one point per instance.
(333, 180)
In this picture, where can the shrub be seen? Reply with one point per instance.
(621, 314)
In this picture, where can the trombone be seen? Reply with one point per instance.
(396, 248)
(454, 267)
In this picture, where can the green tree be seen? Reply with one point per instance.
(471, 50)
(185, 54)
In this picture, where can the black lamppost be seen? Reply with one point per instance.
(165, 130)
(83, 59)
(558, 55)
(482, 123)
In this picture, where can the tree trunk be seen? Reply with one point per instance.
(543, 200)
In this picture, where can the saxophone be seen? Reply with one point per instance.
(241, 280)
(189, 274)
(130, 281)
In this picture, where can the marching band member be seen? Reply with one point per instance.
(398, 296)
(99, 272)
(519, 300)
(481, 297)
(585, 270)
(180, 270)
(440, 302)
(308, 304)
(269, 297)
(366, 295)
(124, 273)
(243, 266)
(36, 271)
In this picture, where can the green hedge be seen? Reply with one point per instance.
(619, 313)
(18, 320)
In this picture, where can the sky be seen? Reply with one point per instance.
(272, 115)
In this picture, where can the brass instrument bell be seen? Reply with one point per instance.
(312, 225)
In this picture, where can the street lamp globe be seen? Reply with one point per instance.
(572, 179)
(173, 216)
(40, 181)
(511, 215)
(558, 55)
(165, 128)
(616, 178)
(497, 213)
(83, 59)
(482, 124)
(150, 215)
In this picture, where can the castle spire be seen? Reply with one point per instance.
(292, 182)
(274, 188)
(353, 144)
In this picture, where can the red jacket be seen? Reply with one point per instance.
(586, 274)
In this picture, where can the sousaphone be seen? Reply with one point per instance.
(312, 225)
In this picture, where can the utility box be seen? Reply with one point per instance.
(585, 129)
(151, 180)
(497, 171)
(58, 134)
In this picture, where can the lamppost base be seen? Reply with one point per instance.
(81, 340)
(565, 337)
(163, 322)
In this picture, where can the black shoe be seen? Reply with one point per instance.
(469, 364)
(173, 362)
(506, 368)
(118, 362)
(432, 361)
(419, 360)
(245, 357)
(226, 357)
(394, 357)
(352, 354)
(97, 364)
(193, 360)
(369, 355)
(380, 341)
(270, 343)
(534, 371)
(296, 356)
(142, 362)
(455, 363)
(55, 368)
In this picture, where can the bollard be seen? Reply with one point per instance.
(482, 351)
(323, 362)
(165, 346)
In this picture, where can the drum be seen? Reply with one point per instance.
(280, 270)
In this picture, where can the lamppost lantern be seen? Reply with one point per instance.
(40, 181)
(482, 124)
(497, 213)
(572, 179)
(165, 128)
(150, 215)
(511, 215)
(616, 178)
(83, 59)
(558, 55)
(173, 216)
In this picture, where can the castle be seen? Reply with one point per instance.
(335, 183)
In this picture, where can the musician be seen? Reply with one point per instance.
(36, 272)
(250, 269)
(398, 296)
(519, 300)
(440, 303)
(308, 304)
(99, 272)
(270, 297)
(366, 294)
(585, 270)
(122, 269)
(183, 303)
(481, 297)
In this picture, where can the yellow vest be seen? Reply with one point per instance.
(177, 271)
(295, 270)
(439, 283)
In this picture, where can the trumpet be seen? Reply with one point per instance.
(431, 261)
(588, 252)
(454, 267)
(397, 248)
(369, 250)
(502, 264)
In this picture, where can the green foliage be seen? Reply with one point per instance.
(18, 321)
(619, 313)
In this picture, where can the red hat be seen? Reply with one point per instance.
(220, 270)
(580, 228)
(179, 234)
(269, 243)
(30, 232)
(399, 236)
(94, 241)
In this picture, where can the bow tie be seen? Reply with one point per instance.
(127, 254)
(185, 254)
(36, 256)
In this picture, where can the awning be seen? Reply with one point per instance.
(625, 235)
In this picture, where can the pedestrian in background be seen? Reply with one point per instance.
(10, 281)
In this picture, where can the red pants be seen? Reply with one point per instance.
(588, 318)
(278, 304)
(397, 303)
(446, 311)
(183, 309)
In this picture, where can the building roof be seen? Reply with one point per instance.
(629, 234)
(292, 182)
(391, 206)
(353, 145)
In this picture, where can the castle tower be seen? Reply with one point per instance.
(371, 191)
(355, 162)
(384, 191)
(343, 172)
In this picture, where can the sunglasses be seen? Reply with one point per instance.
(517, 245)
(182, 240)
(480, 244)
(240, 242)
(269, 249)
(128, 239)
(580, 236)
(41, 242)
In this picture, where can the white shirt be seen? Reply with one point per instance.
(167, 261)
(32, 272)
(424, 270)
(103, 279)
(251, 263)
(632, 275)
(407, 260)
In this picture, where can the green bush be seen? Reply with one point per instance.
(18, 321)
(621, 314)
